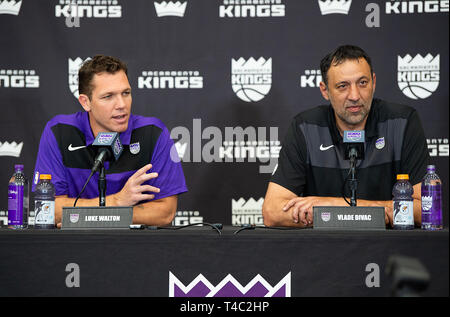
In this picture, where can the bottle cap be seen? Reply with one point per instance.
(402, 176)
(431, 167)
(18, 167)
(45, 176)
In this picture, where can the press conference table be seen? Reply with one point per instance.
(139, 262)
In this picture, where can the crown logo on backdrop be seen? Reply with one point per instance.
(335, 6)
(170, 8)
(260, 66)
(251, 204)
(10, 149)
(418, 63)
(74, 66)
(76, 63)
(10, 7)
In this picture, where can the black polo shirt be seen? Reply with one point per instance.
(312, 163)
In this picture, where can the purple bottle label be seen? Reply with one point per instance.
(431, 205)
(15, 205)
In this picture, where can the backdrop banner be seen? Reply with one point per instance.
(225, 76)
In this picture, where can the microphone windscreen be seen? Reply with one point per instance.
(354, 140)
(111, 141)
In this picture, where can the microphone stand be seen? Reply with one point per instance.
(353, 181)
(102, 186)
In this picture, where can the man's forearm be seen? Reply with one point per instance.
(275, 216)
(156, 213)
(282, 207)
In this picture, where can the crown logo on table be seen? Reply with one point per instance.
(335, 6)
(229, 287)
(10, 149)
(170, 9)
(10, 7)
(418, 63)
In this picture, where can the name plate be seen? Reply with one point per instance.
(76, 218)
(349, 218)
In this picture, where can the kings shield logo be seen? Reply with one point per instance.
(326, 216)
(418, 77)
(74, 218)
(229, 287)
(380, 142)
(74, 66)
(135, 148)
(251, 80)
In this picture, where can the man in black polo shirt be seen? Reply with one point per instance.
(312, 169)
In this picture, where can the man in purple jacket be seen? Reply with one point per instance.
(66, 152)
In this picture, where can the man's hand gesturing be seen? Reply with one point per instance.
(133, 192)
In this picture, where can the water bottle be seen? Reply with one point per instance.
(403, 203)
(44, 203)
(18, 199)
(431, 200)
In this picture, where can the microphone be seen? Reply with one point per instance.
(354, 149)
(109, 146)
(354, 145)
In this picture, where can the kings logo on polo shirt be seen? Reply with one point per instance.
(135, 148)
